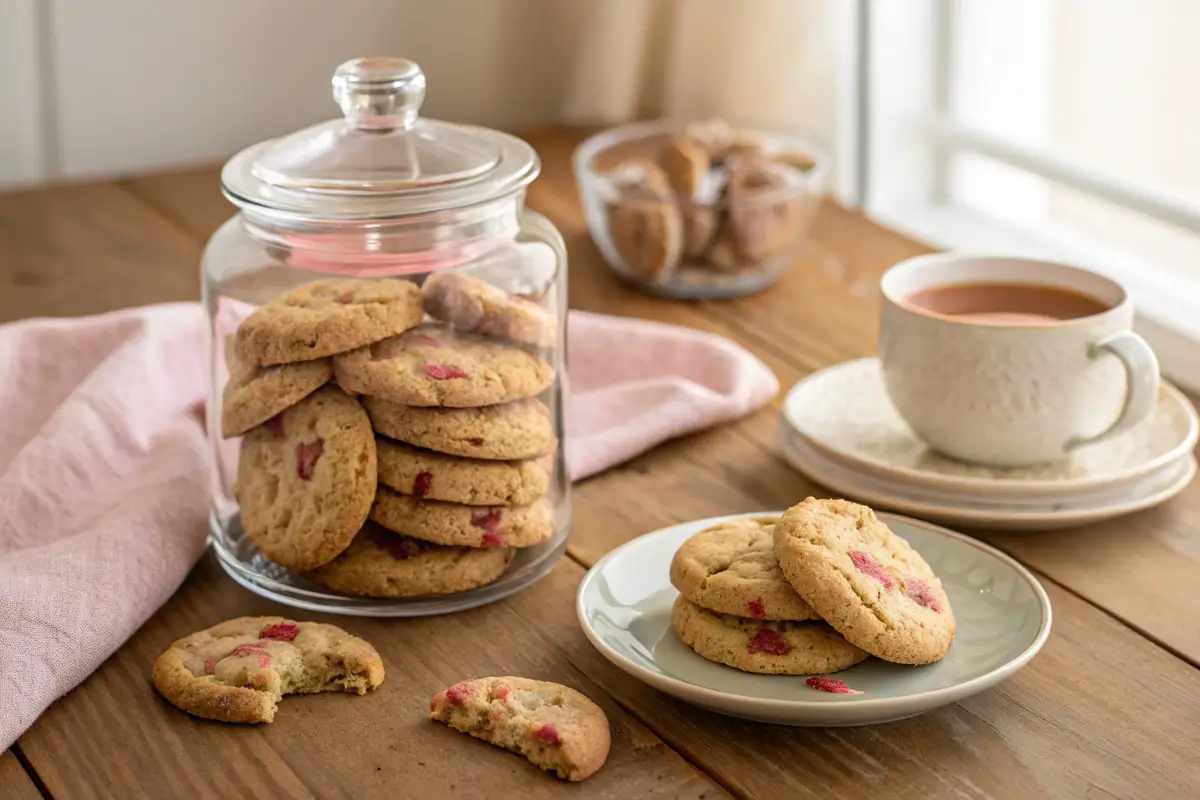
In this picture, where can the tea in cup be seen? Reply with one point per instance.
(1011, 361)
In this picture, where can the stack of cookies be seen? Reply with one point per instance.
(816, 591)
(393, 441)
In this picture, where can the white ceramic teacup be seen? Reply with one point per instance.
(1009, 395)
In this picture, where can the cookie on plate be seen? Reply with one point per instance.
(434, 366)
(475, 306)
(254, 394)
(380, 563)
(427, 475)
(464, 526)
(761, 646)
(731, 568)
(324, 317)
(306, 479)
(510, 431)
(238, 671)
(866, 581)
(554, 726)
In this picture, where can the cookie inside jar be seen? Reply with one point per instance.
(387, 324)
(702, 210)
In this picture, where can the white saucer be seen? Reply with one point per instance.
(1003, 616)
(844, 412)
(985, 510)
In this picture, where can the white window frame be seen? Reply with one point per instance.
(902, 136)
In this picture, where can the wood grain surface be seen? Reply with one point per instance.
(15, 784)
(1110, 708)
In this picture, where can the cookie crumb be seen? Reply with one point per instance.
(833, 685)
(458, 693)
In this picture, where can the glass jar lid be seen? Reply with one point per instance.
(381, 159)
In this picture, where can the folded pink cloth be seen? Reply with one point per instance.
(104, 482)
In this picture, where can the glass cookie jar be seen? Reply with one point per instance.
(387, 371)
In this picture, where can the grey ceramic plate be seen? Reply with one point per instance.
(1003, 615)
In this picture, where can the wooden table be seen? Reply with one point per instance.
(1110, 708)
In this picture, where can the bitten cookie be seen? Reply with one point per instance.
(731, 568)
(238, 671)
(325, 317)
(554, 726)
(475, 306)
(254, 394)
(464, 526)
(511, 431)
(768, 648)
(434, 366)
(380, 563)
(306, 479)
(425, 474)
(866, 581)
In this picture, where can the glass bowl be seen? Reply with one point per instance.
(699, 210)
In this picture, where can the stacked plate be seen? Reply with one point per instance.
(840, 429)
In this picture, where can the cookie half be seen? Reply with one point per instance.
(554, 726)
(731, 568)
(324, 317)
(464, 526)
(475, 306)
(380, 563)
(768, 648)
(866, 581)
(238, 671)
(427, 475)
(306, 479)
(510, 431)
(254, 394)
(434, 366)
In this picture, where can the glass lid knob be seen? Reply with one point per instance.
(379, 93)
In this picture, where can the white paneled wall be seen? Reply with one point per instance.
(108, 87)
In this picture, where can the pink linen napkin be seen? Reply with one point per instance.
(104, 483)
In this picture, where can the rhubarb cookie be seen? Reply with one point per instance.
(554, 726)
(434, 366)
(518, 430)
(239, 670)
(306, 479)
(644, 222)
(768, 648)
(380, 563)
(325, 317)
(254, 394)
(866, 581)
(427, 475)
(464, 526)
(731, 568)
(474, 306)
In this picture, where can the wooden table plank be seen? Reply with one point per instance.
(1117, 713)
(76, 250)
(15, 783)
(125, 741)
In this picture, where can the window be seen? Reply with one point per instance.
(1060, 128)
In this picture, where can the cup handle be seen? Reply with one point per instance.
(1141, 381)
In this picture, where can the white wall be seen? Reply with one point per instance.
(102, 87)
(99, 88)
